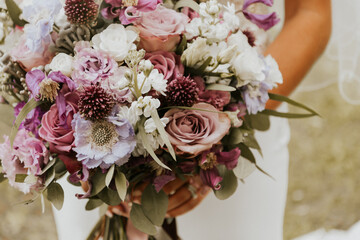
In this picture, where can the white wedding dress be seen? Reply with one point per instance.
(254, 212)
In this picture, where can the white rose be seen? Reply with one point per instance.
(195, 53)
(248, 67)
(274, 75)
(63, 63)
(116, 40)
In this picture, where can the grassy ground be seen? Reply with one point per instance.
(323, 185)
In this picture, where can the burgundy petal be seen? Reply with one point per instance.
(211, 178)
(229, 159)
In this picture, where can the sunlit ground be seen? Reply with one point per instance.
(324, 175)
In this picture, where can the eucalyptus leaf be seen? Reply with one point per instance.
(281, 98)
(140, 221)
(109, 196)
(121, 184)
(235, 136)
(97, 182)
(228, 184)
(30, 179)
(148, 148)
(274, 113)
(109, 175)
(244, 168)
(15, 12)
(30, 105)
(246, 152)
(55, 194)
(221, 87)
(187, 3)
(20, 178)
(93, 203)
(154, 205)
(47, 167)
(250, 141)
(50, 176)
(202, 68)
(163, 133)
(259, 122)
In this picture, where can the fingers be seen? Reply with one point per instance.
(181, 196)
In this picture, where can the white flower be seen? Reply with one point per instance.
(230, 18)
(157, 81)
(240, 41)
(143, 82)
(128, 114)
(150, 126)
(192, 29)
(226, 55)
(63, 63)
(145, 105)
(116, 40)
(195, 53)
(145, 66)
(248, 67)
(274, 75)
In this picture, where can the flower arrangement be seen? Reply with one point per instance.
(125, 95)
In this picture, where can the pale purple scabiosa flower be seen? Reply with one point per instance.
(28, 156)
(103, 143)
(32, 120)
(213, 157)
(40, 15)
(256, 96)
(90, 65)
(264, 21)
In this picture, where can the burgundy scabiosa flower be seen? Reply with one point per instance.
(182, 92)
(81, 11)
(95, 103)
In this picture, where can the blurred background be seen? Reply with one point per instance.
(324, 177)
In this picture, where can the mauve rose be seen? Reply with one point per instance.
(216, 98)
(160, 29)
(28, 59)
(168, 63)
(194, 131)
(60, 136)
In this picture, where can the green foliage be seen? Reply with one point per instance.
(140, 221)
(14, 12)
(244, 168)
(93, 203)
(182, 46)
(109, 175)
(55, 194)
(259, 122)
(121, 184)
(20, 178)
(97, 182)
(109, 196)
(221, 87)
(154, 205)
(228, 184)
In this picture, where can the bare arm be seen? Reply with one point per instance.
(306, 31)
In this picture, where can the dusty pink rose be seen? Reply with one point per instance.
(193, 131)
(168, 63)
(28, 156)
(190, 12)
(161, 29)
(28, 59)
(216, 98)
(57, 129)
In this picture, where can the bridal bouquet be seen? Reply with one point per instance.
(128, 96)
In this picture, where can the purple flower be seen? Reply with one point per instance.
(28, 156)
(103, 143)
(162, 180)
(90, 65)
(210, 159)
(256, 96)
(32, 120)
(264, 21)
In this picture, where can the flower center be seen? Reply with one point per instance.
(211, 161)
(49, 89)
(103, 135)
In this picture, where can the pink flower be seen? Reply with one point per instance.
(168, 63)
(161, 29)
(194, 131)
(264, 21)
(190, 13)
(90, 65)
(28, 156)
(56, 128)
(216, 98)
(28, 59)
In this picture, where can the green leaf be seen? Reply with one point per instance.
(182, 46)
(50, 176)
(30, 105)
(121, 184)
(148, 147)
(286, 115)
(97, 183)
(109, 175)
(47, 167)
(154, 205)
(14, 12)
(187, 3)
(246, 152)
(259, 122)
(244, 168)
(140, 221)
(55, 194)
(250, 141)
(20, 178)
(221, 87)
(228, 184)
(235, 137)
(109, 196)
(93, 203)
(281, 98)
(2, 177)
(202, 68)
(163, 133)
